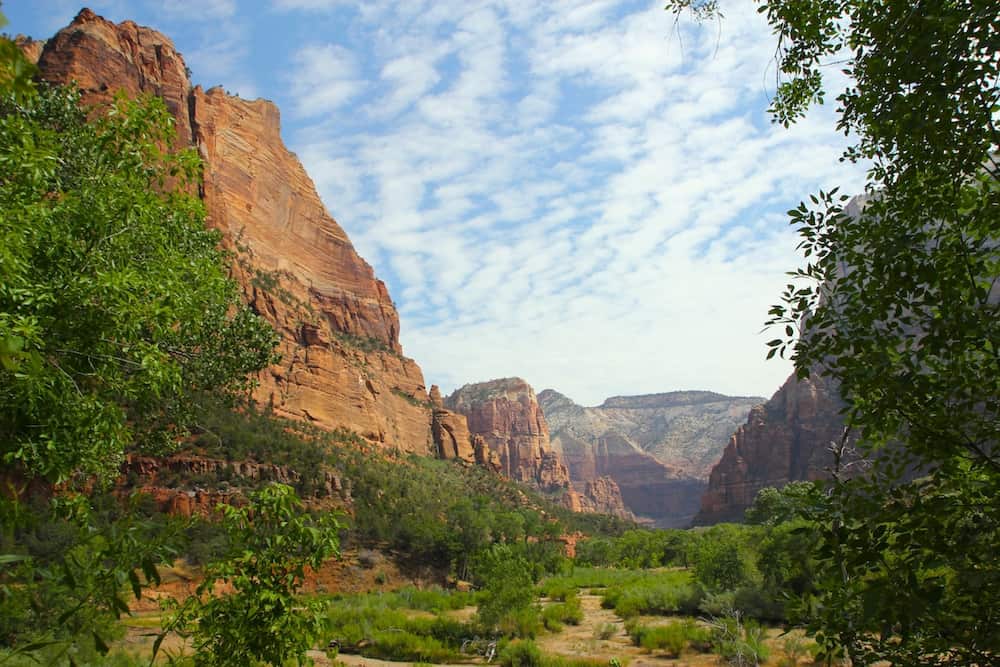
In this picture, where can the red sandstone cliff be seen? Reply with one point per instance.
(786, 439)
(342, 364)
(506, 414)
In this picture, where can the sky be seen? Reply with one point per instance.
(587, 194)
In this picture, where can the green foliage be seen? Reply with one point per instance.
(903, 315)
(411, 399)
(636, 549)
(739, 642)
(116, 312)
(16, 72)
(567, 612)
(661, 592)
(69, 569)
(722, 558)
(673, 638)
(262, 620)
(367, 344)
(773, 506)
(397, 644)
(507, 586)
(521, 653)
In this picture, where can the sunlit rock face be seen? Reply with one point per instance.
(787, 439)
(658, 448)
(510, 435)
(506, 415)
(342, 364)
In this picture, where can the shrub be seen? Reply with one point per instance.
(557, 589)
(569, 612)
(403, 645)
(718, 604)
(508, 589)
(521, 653)
(669, 638)
(672, 638)
(662, 593)
(525, 623)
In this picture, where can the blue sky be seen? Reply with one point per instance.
(581, 193)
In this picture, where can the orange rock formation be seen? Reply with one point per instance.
(784, 440)
(342, 364)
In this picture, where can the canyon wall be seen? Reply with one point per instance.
(505, 416)
(784, 440)
(341, 360)
(658, 448)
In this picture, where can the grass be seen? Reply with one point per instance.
(525, 653)
(672, 639)
(567, 612)
(657, 592)
(408, 624)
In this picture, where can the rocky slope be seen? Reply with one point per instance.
(342, 364)
(658, 448)
(786, 439)
(505, 416)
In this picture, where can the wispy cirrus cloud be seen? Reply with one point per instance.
(589, 196)
(325, 78)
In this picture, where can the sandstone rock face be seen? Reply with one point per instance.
(31, 48)
(511, 437)
(342, 364)
(451, 432)
(657, 448)
(157, 478)
(506, 415)
(603, 496)
(786, 439)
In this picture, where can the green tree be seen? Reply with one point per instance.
(116, 311)
(272, 542)
(722, 558)
(70, 565)
(772, 506)
(507, 584)
(900, 300)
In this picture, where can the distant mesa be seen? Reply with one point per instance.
(658, 448)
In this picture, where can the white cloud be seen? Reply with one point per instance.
(325, 78)
(584, 194)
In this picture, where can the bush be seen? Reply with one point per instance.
(718, 604)
(521, 653)
(672, 638)
(557, 589)
(569, 612)
(525, 623)
(508, 587)
(403, 645)
(661, 593)
(668, 638)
